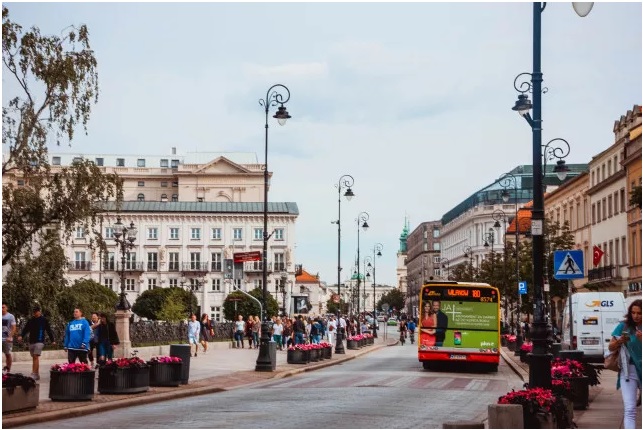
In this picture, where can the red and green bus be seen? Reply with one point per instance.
(459, 322)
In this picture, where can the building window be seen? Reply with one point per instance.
(593, 213)
(109, 262)
(623, 250)
(623, 204)
(175, 184)
(109, 232)
(164, 184)
(215, 313)
(175, 197)
(109, 283)
(173, 282)
(130, 284)
(195, 260)
(609, 206)
(195, 285)
(141, 183)
(151, 284)
(280, 264)
(175, 164)
(216, 284)
(436, 272)
(140, 197)
(55, 161)
(120, 162)
(436, 246)
(164, 197)
(153, 233)
(258, 234)
(140, 162)
(174, 233)
(152, 261)
(195, 233)
(236, 284)
(99, 161)
(77, 160)
(80, 233)
(173, 261)
(617, 244)
(215, 233)
(216, 261)
(616, 203)
(279, 234)
(436, 232)
(130, 262)
(436, 260)
(258, 283)
(237, 234)
(598, 212)
(79, 261)
(164, 162)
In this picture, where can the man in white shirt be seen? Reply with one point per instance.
(331, 330)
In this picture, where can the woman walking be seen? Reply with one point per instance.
(628, 335)
(256, 328)
(239, 330)
(194, 328)
(277, 331)
(106, 339)
(249, 326)
(207, 331)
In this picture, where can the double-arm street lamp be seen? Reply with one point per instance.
(367, 277)
(273, 98)
(498, 215)
(345, 181)
(361, 220)
(124, 236)
(445, 263)
(540, 364)
(468, 253)
(377, 252)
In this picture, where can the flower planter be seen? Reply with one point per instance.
(580, 392)
(511, 345)
(71, 386)
(539, 420)
(503, 341)
(18, 399)
(123, 380)
(351, 344)
(314, 355)
(524, 356)
(165, 374)
(328, 352)
(297, 357)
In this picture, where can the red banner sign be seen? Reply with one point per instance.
(242, 257)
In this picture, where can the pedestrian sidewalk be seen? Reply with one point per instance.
(605, 409)
(221, 369)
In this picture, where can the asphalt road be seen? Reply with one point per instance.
(384, 389)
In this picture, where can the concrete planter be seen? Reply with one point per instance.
(19, 399)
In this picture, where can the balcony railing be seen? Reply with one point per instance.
(80, 266)
(109, 265)
(216, 266)
(131, 266)
(195, 267)
(601, 274)
(152, 266)
(280, 267)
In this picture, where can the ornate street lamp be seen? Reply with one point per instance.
(445, 263)
(468, 253)
(377, 252)
(540, 364)
(361, 220)
(498, 215)
(124, 237)
(273, 98)
(345, 181)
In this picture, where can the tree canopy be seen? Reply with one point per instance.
(166, 304)
(394, 298)
(87, 295)
(245, 306)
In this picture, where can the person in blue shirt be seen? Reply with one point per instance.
(626, 337)
(77, 335)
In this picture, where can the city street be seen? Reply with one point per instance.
(384, 389)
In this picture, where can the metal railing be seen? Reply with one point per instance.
(79, 266)
(601, 273)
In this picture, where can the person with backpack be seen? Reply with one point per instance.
(299, 329)
(315, 331)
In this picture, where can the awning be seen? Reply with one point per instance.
(635, 133)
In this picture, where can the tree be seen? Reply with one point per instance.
(246, 306)
(87, 295)
(153, 304)
(64, 68)
(394, 298)
(332, 307)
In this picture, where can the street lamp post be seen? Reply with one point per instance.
(468, 253)
(367, 277)
(273, 98)
(361, 218)
(498, 215)
(345, 181)
(377, 252)
(444, 262)
(124, 236)
(540, 364)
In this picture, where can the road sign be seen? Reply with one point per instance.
(568, 264)
(385, 307)
(522, 287)
(242, 257)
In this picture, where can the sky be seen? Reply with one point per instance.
(411, 99)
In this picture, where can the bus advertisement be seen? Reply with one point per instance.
(459, 322)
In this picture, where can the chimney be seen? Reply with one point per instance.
(174, 150)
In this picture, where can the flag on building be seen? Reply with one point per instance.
(598, 254)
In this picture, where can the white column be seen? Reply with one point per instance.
(122, 329)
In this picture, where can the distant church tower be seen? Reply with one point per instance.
(401, 258)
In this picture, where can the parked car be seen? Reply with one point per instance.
(381, 318)
(391, 321)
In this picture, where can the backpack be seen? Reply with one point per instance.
(314, 331)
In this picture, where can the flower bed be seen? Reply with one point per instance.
(298, 354)
(19, 392)
(71, 382)
(123, 376)
(537, 405)
(165, 371)
(327, 350)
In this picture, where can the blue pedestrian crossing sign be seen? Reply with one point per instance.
(522, 287)
(568, 264)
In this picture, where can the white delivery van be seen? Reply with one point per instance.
(594, 317)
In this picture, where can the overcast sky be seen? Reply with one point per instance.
(413, 100)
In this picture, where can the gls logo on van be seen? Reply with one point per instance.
(598, 303)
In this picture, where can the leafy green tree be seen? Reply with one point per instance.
(246, 306)
(151, 303)
(173, 308)
(394, 298)
(332, 307)
(87, 295)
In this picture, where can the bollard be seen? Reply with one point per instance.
(505, 416)
(463, 425)
(183, 352)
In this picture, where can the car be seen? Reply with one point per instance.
(391, 321)
(381, 318)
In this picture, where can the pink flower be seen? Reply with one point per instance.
(166, 359)
(71, 367)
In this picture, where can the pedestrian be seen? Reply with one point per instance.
(93, 340)
(207, 331)
(36, 328)
(315, 331)
(627, 337)
(342, 325)
(332, 329)
(194, 327)
(256, 329)
(106, 339)
(77, 335)
(249, 325)
(8, 331)
(239, 330)
(299, 328)
(277, 331)
(287, 335)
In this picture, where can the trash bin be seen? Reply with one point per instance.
(183, 352)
